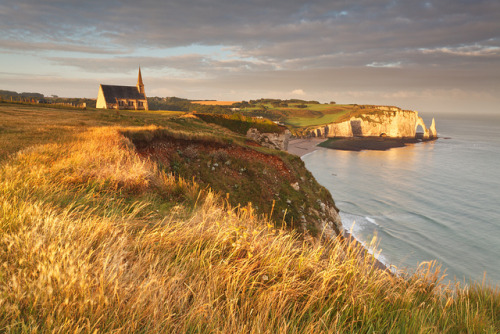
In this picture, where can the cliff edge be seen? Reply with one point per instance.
(276, 183)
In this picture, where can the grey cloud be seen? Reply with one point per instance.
(320, 45)
(466, 50)
(261, 27)
(53, 46)
(191, 65)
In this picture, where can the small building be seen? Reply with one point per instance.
(123, 97)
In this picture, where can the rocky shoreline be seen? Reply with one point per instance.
(369, 143)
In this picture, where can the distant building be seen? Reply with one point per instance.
(123, 97)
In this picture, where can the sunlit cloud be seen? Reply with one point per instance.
(382, 64)
(298, 92)
(468, 50)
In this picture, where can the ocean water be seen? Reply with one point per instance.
(436, 200)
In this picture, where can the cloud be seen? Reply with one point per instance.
(274, 32)
(264, 47)
(188, 65)
(475, 50)
(381, 64)
(54, 46)
(298, 92)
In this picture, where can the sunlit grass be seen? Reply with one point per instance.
(95, 239)
(310, 121)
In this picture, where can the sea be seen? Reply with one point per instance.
(430, 201)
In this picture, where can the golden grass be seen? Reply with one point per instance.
(215, 103)
(25, 125)
(94, 239)
(152, 132)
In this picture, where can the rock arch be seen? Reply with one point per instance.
(420, 122)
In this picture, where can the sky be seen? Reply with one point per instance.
(430, 56)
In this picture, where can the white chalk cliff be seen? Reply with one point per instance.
(387, 121)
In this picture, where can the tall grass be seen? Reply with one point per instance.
(152, 132)
(95, 239)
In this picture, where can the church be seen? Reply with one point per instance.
(123, 97)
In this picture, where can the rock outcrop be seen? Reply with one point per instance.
(278, 141)
(432, 129)
(387, 121)
(329, 220)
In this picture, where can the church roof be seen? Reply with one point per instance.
(111, 93)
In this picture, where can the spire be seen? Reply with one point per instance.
(140, 84)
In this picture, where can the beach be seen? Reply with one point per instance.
(303, 146)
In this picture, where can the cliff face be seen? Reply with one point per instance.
(393, 122)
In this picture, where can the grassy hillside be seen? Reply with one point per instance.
(301, 115)
(188, 148)
(94, 237)
(241, 124)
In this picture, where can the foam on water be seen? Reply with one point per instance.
(308, 154)
(357, 226)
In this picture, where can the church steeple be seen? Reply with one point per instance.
(140, 84)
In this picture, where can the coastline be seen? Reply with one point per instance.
(301, 147)
(368, 143)
(365, 252)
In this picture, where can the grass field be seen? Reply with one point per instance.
(95, 238)
(313, 114)
(309, 121)
(23, 125)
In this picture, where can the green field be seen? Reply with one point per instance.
(313, 114)
(309, 121)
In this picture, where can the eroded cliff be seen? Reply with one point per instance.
(386, 121)
(277, 184)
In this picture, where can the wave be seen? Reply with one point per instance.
(356, 226)
(371, 220)
(302, 157)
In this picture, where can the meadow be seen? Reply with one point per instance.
(95, 238)
(308, 121)
(299, 116)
